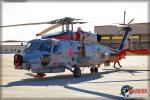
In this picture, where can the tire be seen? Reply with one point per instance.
(40, 75)
(92, 70)
(95, 69)
(77, 72)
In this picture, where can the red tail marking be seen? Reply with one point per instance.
(122, 53)
(140, 51)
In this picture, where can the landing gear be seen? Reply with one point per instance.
(94, 69)
(76, 72)
(40, 75)
(118, 64)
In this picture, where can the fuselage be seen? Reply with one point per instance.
(51, 55)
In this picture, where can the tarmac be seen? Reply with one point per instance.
(105, 85)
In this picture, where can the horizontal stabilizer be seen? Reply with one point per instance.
(138, 52)
(128, 52)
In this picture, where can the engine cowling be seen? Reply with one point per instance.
(86, 37)
(76, 36)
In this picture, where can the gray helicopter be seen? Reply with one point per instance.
(68, 49)
(50, 55)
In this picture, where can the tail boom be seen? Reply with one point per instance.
(125, 38)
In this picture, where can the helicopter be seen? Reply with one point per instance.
(69, 49)
(52, 55)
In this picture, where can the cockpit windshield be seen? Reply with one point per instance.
(38, 46)
(46, 46)
(32, 46)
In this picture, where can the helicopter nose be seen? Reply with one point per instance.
(18, 61)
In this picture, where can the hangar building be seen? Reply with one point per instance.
(139, 36)
(9, 47)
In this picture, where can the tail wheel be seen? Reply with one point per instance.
(77, 72)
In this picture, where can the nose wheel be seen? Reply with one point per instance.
(39, 75)
(93, 69)
(77, 72)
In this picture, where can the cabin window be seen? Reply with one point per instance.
(57, 49)
(80, 51)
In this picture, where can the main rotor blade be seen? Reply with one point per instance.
(24, 24)
(78, 22)
(131, 21)
(48, 29)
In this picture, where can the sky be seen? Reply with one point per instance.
(95, 13)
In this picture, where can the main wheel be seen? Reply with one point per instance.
(95, 69)
(77, 72)
(41, 74)
(92, 70)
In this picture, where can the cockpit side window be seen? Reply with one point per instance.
(45, 47)
(32, 46)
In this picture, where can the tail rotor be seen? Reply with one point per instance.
(125, 28)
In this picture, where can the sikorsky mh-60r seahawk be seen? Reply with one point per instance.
(69, 49)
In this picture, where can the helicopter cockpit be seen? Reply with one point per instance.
(38, 45)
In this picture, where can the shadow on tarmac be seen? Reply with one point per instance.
(66, 80)
(58, 79)
(130, 71)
